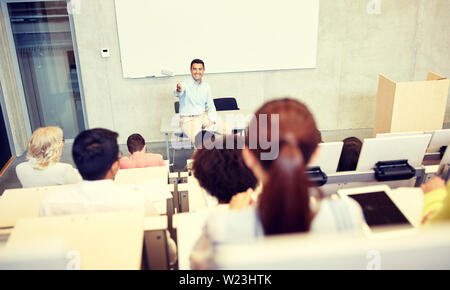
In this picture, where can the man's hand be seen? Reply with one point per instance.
(433, 184)
(179, 88)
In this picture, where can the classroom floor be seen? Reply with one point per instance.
(9, 179)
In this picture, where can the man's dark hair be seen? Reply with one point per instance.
(94, 152)
(135, 142)
(222, 172)
(198, 61)
(350, 154)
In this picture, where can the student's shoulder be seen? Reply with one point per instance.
(345, 204)
(63, 168)
(155, 156)
(63, 165)
(338, 214)
(24, 172)
(348, 208)
(22, 166)
(226, 225)
(124, 159)
(125, 162)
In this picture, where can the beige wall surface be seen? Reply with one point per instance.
(405, 41)
(433, 42)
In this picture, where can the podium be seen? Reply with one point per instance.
(411, 106)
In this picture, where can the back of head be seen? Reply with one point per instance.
(94, 152)
(221, 171)
(284, 202)
(45, 146)
(350, 154)
(135, 143)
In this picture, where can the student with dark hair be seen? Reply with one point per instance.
(139, 158)
(96, 155)
(222, 172)
(350, 154)
(289, 202)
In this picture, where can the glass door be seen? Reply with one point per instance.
(5, 149)
(45, 55)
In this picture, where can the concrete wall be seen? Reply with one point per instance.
(408, 38)
(354, 47)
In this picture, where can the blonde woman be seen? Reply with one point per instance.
(43, 167)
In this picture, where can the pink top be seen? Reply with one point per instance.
(140, 160)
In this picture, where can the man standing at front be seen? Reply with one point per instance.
(197, 110)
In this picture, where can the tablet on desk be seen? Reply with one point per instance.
(379, 209)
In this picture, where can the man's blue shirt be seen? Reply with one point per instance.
(195, 99)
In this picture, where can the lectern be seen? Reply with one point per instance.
(411, 106)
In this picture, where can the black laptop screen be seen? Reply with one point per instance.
(379, 210)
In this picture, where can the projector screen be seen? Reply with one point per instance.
(162, 37)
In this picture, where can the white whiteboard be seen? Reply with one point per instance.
(229, 35)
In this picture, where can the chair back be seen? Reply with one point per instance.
(226, 104)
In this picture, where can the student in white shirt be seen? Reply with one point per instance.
(281, 140)
(43, 167)
(96, 155)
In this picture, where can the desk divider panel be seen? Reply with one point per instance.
(411, 106)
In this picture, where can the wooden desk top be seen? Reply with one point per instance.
(103, 240)
(22, 203)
